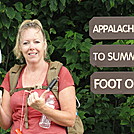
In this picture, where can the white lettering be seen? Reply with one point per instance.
(124, 29)
(130, 28)
(103, 83)
(113, 28)
(100, 28)
(95, 56)
(96, 83)
(119, 29)
(113, 56)
(99, 56)
(129, 83)
(95, 29)
(105, 28)
(111, 83)
(119, 56)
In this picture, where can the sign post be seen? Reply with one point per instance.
(112, 82)
(112, 55)
(109, 28)
(112, 28)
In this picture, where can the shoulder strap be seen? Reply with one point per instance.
(14, 75)
(53, 72)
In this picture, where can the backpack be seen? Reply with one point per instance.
(53, 72)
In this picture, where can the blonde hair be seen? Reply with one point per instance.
(25, 25)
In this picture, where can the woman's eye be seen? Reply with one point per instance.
(25, 43)
(37, 41)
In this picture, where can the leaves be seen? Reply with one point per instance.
(70, 44)
(5, 21)
(19, 6)
(18, 17)
(66, 24)
(132, 1)
(43, 3)
(53, 5)
(10, 12)
(63, 2)
(112, 3)
(71, 56)
(52, 30)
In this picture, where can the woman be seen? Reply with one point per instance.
(31, 45)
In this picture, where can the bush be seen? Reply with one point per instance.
(66, 24)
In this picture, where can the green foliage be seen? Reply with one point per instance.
(127, 113)
(3, 131)
(66, 24)
(2, 74)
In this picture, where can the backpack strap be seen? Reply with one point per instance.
(53, 72)
(14, 74)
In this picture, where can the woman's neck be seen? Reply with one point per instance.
(33, 67)
(34, 74)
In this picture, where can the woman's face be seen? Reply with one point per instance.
(32, 45)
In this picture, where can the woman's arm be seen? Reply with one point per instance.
(5, 111)
(65, 116)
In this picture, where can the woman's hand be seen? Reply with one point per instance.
(35, 101)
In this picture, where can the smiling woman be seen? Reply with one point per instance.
(32, 45)
(25, 33)
(23, 115)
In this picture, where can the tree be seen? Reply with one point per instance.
(66, 24)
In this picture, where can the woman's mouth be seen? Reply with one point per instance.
(32, 53)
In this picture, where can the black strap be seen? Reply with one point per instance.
(29, 88)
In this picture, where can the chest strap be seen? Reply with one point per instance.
(28, 89)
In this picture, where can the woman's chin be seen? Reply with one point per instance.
(33, 61)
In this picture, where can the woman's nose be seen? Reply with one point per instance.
(32, 46)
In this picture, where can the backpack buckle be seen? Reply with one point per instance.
(38, 87)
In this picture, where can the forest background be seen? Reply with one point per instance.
(66, 24)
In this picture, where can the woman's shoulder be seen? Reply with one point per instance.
(64, 71)
(5, 83)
